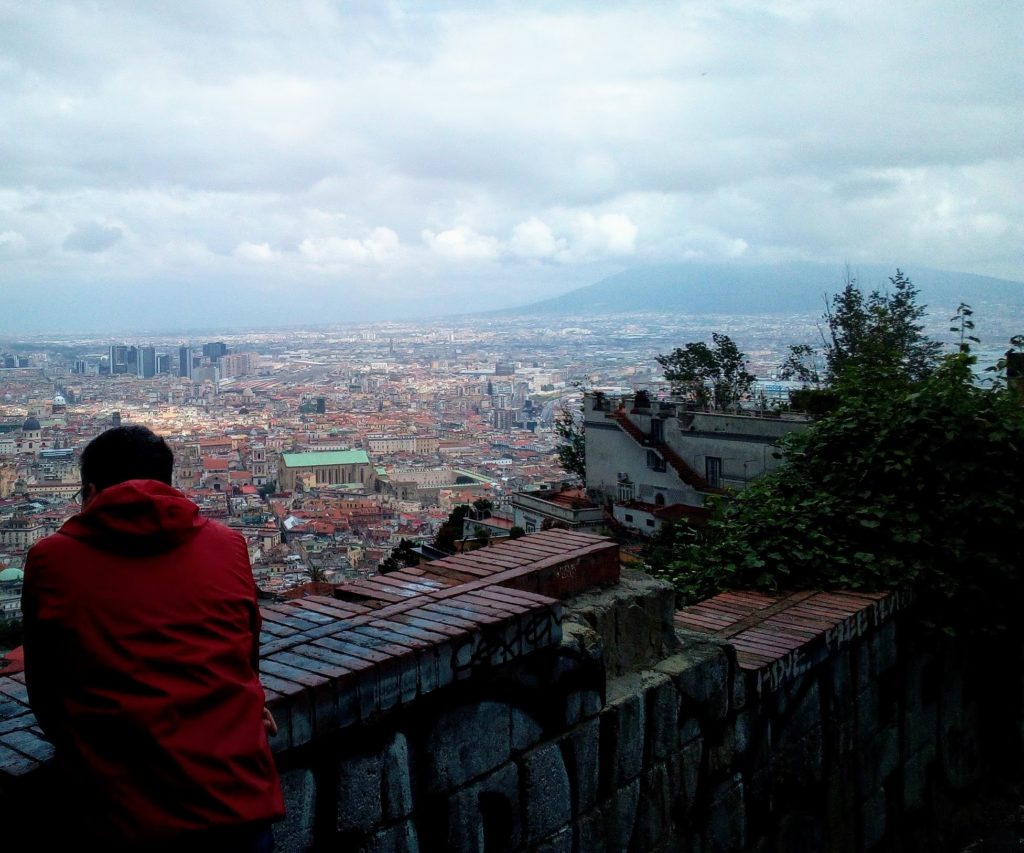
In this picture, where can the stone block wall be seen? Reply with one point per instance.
(667, 741)
(461, 708)
(847, 729)
(535, 754)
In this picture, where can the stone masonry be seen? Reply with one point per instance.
(531, 697)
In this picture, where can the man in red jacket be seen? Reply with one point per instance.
(141, 660)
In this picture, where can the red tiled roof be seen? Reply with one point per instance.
(13, 661)
(569, 497)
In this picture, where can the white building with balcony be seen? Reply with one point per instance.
(661, 454)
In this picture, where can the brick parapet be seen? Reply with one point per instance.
(422, 711)
(778, 638)
(328, 663)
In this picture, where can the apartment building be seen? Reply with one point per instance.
(642, 458)
(416, 444)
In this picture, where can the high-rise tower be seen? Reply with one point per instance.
(146, 364)
(215, 350)
(118, 358)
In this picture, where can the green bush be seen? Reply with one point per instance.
(906, 483)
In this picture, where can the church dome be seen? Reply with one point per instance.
(31, 424)
(11, 575)
(59, 400)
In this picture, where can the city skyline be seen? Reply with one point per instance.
(317, 162)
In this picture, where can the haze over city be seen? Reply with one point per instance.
(224, 165)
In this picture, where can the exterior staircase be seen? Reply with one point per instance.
(679, 465)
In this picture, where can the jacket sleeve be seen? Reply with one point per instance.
(42, 651)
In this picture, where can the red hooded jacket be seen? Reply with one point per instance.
(141, 660)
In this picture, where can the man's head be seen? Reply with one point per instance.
(124, 453)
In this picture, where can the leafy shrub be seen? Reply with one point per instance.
(906, 483)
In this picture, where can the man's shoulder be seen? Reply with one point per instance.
(55, 543)
(216, 535)
(49, 558)
(223, 550)
(215, 530)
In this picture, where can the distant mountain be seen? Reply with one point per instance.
(701, 288)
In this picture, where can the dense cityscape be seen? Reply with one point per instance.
(417, 418)
(424, 417)
(411, 419)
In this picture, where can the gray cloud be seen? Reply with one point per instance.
(92, 237)
(536, 143)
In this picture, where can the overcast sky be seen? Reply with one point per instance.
(216, 162)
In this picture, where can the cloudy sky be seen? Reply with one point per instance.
(223, 163)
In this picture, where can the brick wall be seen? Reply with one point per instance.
(527, 697)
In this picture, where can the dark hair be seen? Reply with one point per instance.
(126, 453)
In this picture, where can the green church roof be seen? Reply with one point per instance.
(325, 457)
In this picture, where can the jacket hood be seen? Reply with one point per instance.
(136, 516)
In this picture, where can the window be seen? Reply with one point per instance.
(654, 461)
(657, 430)
(659, 499)
(530, 526)
(629, 517)
(650, 522)
(713, 471)
(625, 492)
